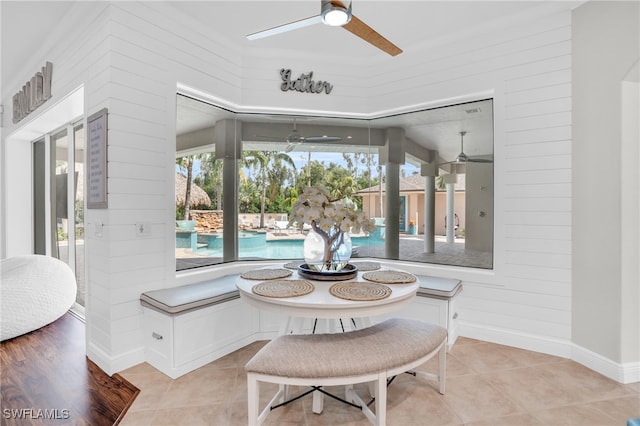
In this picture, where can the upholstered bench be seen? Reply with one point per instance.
(178, 300)
(188, 326)
(371, 354)
(438, 288)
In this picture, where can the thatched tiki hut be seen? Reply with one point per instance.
(197, 197)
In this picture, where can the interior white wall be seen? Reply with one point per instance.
(131, 56)
(630, 209)
(18, 208)
(606, 46)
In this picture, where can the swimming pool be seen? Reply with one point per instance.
(255, 244)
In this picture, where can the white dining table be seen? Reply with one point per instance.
(320, 303)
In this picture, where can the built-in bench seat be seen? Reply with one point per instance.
(438, 288)
(372, 354)
(190, 325)
(186, 298)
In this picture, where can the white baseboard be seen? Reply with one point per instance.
(112, 365)
(532, 342)
(176, 372)
(622, 373)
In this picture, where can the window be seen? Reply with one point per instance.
(410, 172)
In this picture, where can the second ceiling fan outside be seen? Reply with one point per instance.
(463, 158)
(294, 138)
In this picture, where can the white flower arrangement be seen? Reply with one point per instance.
(329, 218)
(315, 207)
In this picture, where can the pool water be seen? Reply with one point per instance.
(254, 244)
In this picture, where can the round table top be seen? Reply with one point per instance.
(320, 303)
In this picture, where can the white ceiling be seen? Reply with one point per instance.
(405, 23)
(408, 24)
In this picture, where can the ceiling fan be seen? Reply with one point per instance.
(334, 13)
(463, 158)
(294, 138)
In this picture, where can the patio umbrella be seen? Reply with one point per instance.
(198, 196)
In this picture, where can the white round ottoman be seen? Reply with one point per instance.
(35, 290)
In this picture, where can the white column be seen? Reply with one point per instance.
(429, 209)
(450, 212)
(450, 181)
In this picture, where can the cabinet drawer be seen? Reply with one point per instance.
(158, 337)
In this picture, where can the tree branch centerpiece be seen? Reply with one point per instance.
(331, 220)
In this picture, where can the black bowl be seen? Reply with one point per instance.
(348, 272)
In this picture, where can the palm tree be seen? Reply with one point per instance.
(187, 163)
(212, 169)
(262, 160)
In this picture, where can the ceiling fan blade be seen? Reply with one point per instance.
(271, 138)
(479, 160)
(316, 139)
(357, 27)
(286, 27)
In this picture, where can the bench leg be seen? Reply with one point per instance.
(318, 402)
(348, 393)
(381, 400)
(442, 362)
(253, 396)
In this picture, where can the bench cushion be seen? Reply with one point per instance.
(440, 288)
(384, 346)
(178, 300)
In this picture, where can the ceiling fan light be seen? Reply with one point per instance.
(335, 16)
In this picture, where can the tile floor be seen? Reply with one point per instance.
(487, 384)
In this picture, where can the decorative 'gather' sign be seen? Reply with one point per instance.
(33, 94)
(304, 83)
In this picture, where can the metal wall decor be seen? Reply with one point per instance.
(304, 83)
(34, 93)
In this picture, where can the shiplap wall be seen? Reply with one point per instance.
(135, 54)
(148, 55)
(525, 301)
(77, 54)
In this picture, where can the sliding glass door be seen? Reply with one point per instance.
(58, 200)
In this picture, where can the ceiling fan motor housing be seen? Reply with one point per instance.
(334, 13)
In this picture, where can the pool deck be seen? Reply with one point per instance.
(411, 248)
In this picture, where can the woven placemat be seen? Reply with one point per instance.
(360, 291)
(389, 277)
(366, 266)
(294, 265)
(266, 274)
(283, 288)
